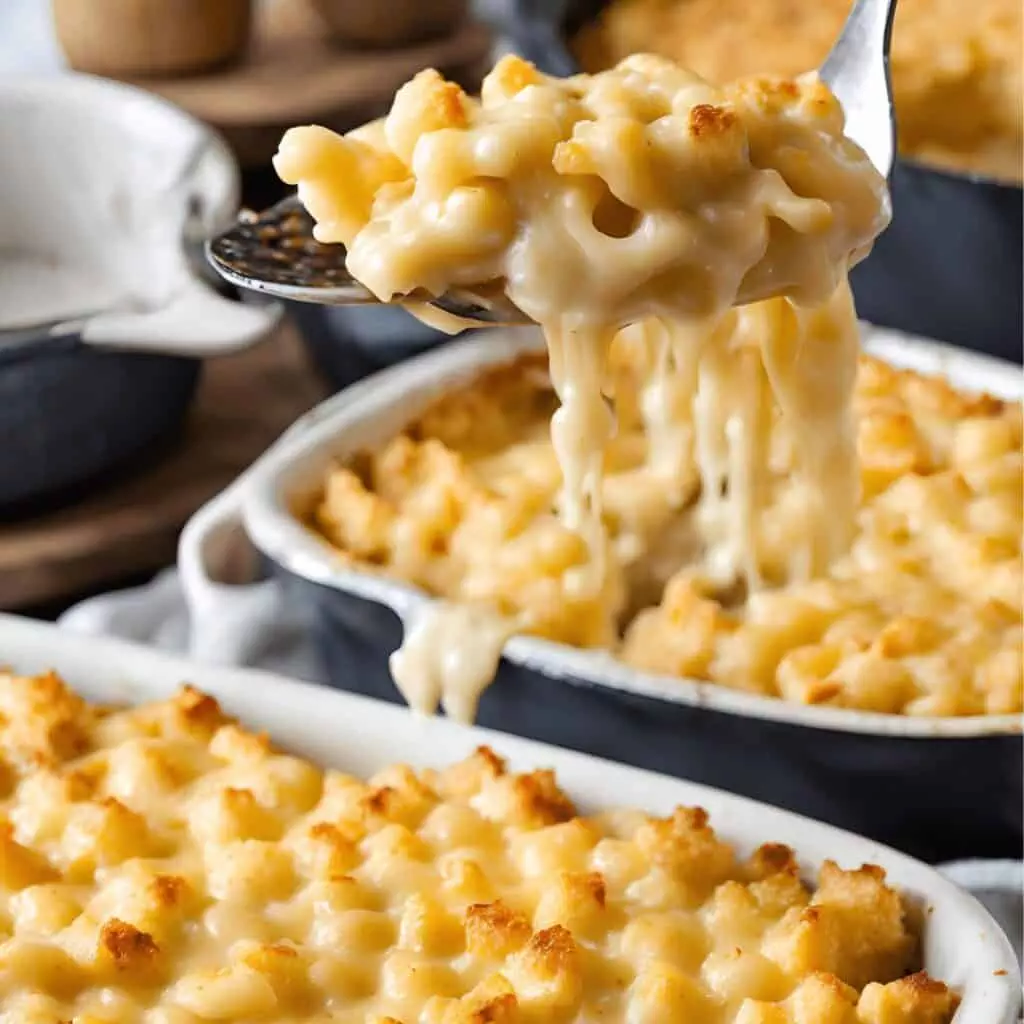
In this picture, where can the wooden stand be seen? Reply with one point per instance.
(294, 73)
(244, 403)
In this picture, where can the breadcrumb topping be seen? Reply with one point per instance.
(252, 886)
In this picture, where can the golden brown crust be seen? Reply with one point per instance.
(552, 949)
(707, 119)
(168, 890)
(199, 709)
(128, 948)
(772, 859)
(215, 877)
(495, 930)
(539, 801)
(474, 479)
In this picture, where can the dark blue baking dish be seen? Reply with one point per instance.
(71, 413)
(937, 799)
(347, 344)
(949, 266)
(939, 788)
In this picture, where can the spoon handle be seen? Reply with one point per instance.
(857, 71)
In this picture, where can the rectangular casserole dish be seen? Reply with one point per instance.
(896, 779)
(961, 943)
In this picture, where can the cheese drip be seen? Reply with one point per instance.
(580, 429)
(449, 657)
(640, 196)
(667, 405)
(717, 396)
(810, 359)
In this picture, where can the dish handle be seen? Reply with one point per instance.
(228, 606)
(230, 609)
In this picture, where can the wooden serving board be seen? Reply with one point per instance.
(244, 403)
(294, 73)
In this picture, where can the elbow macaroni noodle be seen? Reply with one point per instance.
(162, 865)
(640, 197)
(922, 616)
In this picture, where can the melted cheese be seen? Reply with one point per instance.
(449, 657)
(638, 196)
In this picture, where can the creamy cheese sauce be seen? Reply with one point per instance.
(638, 198)
(162, 864)
(449, 657)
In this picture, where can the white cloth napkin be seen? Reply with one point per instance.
(157, 615)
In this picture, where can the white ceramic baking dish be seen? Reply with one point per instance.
(962, 944)
(825, 762)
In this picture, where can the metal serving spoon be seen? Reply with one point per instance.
(275, 252)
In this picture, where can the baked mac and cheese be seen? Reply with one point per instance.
(956, 65)
(922, 616)
(639, 198)
(162, 865)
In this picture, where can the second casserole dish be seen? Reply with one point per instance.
(827, 761)
(196, 869)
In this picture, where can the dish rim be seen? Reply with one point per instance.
(296, 463)
(319, 722)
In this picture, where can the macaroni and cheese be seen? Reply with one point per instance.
(922, 615)
(956, 66)
(638, 199)
(162, 865)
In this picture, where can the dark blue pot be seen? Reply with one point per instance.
(72, 415)
(348, 344)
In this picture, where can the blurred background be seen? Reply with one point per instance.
(134, 390)
(112, 436)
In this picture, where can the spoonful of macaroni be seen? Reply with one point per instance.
(632, 183)
(721, 220)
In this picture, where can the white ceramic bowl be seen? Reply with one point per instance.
(376, 409)
(106, 196)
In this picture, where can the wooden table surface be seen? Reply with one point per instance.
(295, 73)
